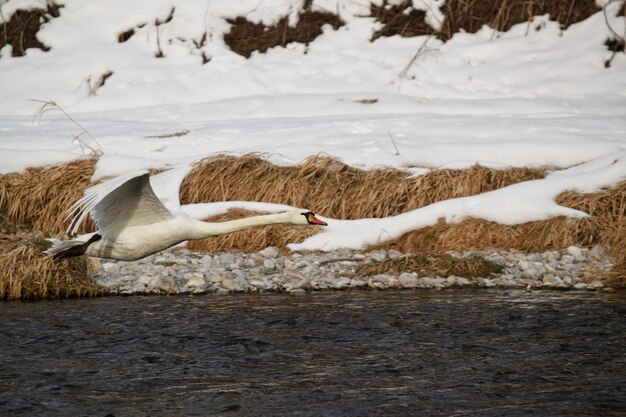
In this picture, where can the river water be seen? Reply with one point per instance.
(353, 353)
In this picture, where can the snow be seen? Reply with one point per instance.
(535, 96)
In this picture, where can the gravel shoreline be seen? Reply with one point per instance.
(184, 271)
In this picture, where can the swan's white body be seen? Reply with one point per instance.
(133, 223)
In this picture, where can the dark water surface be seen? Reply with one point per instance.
(354, 353)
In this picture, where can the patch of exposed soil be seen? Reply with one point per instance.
(20, 31)
(245, 37)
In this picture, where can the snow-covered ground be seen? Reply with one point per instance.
(533, 96)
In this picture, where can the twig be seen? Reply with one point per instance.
(394, 142)
(412, 61)
(48, 105)
(606, 20)
(618, 39)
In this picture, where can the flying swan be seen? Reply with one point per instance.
(133, 223)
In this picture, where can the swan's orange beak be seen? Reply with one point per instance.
(314, 220)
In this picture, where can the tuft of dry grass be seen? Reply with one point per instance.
(251, 240)
(39, 197)
(20, 31)
(27, 273)
(246, 37)
(616, 277)
(330, 187)
(433, 265)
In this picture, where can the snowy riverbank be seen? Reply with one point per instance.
(183, 271)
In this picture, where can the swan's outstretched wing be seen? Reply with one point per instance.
(125, 201)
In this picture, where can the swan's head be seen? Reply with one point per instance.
(304, 216)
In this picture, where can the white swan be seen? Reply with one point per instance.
(133, 223)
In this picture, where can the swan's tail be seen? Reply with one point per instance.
(70, 248)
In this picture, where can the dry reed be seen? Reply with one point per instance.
(433, 265)
(26, 273)
(332, 188)
(606, 227)
(39, 197)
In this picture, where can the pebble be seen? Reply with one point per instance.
(184, 271)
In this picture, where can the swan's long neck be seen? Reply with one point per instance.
(203, 230)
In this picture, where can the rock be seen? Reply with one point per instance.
(424, 282)
(378, 255)
(258, 284)
(165, 261)
(356, 283)
(463, 281)
(408, 280)
(214, 278)
(489, 283)
(575, 251)
(598, 253)
(269, 265)
(341, 283)
(110, 267)
(134, 288)
(196, 281)
(144, 279)
(226, 259)
(596, 284)
(228, 284)
(270, 252)
(268, 270)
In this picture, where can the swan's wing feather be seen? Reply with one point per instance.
(125, 201)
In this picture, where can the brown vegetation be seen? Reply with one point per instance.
(20, 31)
(433, 265)
(606, 226)
(39, 197)
(332, 188)
(246, 37)
(26, 273)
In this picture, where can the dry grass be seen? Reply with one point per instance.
(330, 187)
(471, 15)
(20, 31)
(246, 37)
(616, 277)
(433, 265)
(27, 273)
(606, 227)
(252, 240)
(39, 197)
